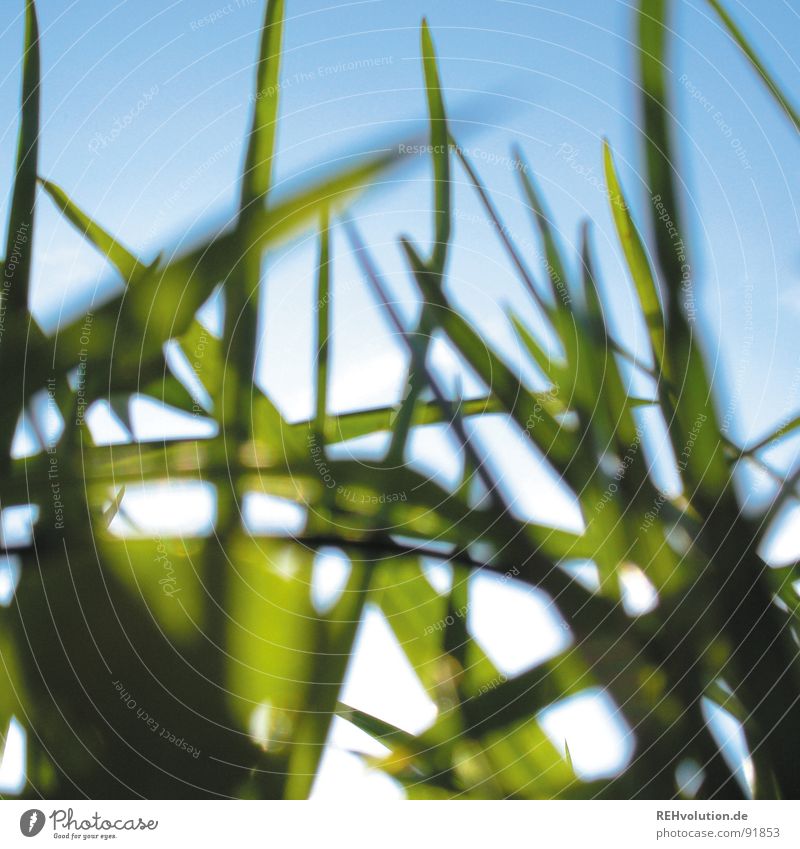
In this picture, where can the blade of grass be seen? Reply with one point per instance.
(333, 642)
(260, 155)
(416, 379)
(23, 194)
(19, 237)
(556, 271)
(440, 147)
(241, 286)
(323, 326)
(671, 250)
(780, 433)
(502, 231)
(636, 257)
(738, 36)
(116, 253)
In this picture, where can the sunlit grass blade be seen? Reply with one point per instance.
(243, 279)
(416, 379)
(334, 634)
(117, 254)
(166, 299)
(440, 146)
(346, 426)
(636, 256)
(549, 367)
(260, 154)
(322, 309)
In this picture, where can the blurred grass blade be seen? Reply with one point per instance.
(738, 36)
(263, 131)
(416, 379)
(242, 284)
(165, 301)
(549, 367)
(322, 309)
(502, 231)
(117, 254)
(555, 265)
(440, 147)
(333, 643)
(784, 430)
(19, 241)
(661, 164)
(361, 422)
(568, 756)
(504, 383)
(110, 513)
(636, 257)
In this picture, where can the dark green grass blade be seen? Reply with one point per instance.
(19, 242)
(657, 137)
(555, 265)
(502, 231)
(19, 239)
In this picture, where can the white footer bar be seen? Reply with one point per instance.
(401, 825)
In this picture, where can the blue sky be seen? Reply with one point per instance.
(544, 75)
(145, 105)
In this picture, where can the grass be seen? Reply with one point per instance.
(235, 663)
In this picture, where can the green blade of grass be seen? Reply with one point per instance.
(738, 36)
(361, 422)
(242, 284)
(19, 241)
(441, 152)
(333, 642)
(670, 249)
(502, 231)
(784, 430)
(416, 379)
(165, 300)
(547, 365)
(555, 265)
(610, 419)
(636, 256)
(323, 326)
(116, 253)
(260, 154)
(514, 397)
